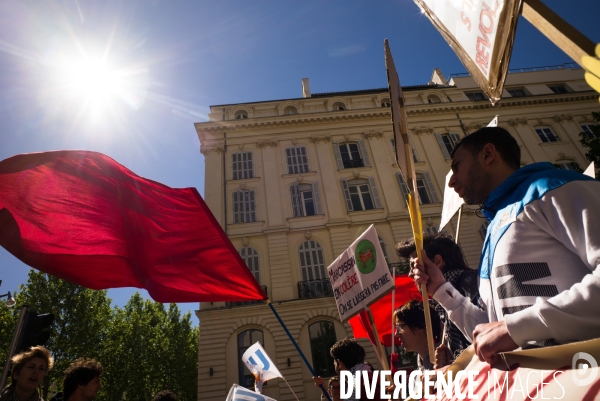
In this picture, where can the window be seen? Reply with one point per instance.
(558, 88)
(242, 165)
(382, 245)
(290, 110)
(546, 134)
(476, 96)
(427, 192)
(250, 257)
(306, 200)
(351, 155)
(241, 114)
(385, 103)
(430, 230)
(297, 160)
(338, 106)
(434, 99)
(517, 92)
(361, 194)
(322, 337)
(592, 130)
(311, 261)
(245, 340)
(244, 206)
(447, 143)
(412, 148)
(566, 166)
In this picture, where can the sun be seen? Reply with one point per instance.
(92, 80)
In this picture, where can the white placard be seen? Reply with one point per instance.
(360, 275)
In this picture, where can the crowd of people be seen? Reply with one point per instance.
(538, 282)
(82, 379)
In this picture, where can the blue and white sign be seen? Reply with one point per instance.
(261, 366)
(239, 393)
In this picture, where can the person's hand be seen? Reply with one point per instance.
(425, 271)
(318, 381)
(491, 338)
(443, 357)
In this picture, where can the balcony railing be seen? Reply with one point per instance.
(314, 289)
(244, 303)
(400, 268)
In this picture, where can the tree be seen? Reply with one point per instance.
(591, 141)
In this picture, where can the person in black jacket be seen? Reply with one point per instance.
(448, 257)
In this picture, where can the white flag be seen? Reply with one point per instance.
(239, 393)
(590, 171)
(452, 202)
(261, 366)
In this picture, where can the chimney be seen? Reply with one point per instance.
(305, 88)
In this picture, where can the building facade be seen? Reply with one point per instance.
(293, 182)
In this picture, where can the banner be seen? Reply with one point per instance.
(452, 202)
(481, 33)
(590, 171)
(258, 362)
(360, 275)
(239, 393)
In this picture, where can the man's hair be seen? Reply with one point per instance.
(21, 359)
(333, 379)
(412, 314)
(505, 144)
(349, 351)
(435, 244)
(165, 395)
(80, 372)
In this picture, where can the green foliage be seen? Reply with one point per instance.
(592, 143)
(143, 347)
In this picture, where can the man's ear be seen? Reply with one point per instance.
(488, 154)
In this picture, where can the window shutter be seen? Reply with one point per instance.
(236, 208)
(403, 187)
(454, 137)
(442, 146)
(252, 207)
(375, 193)
(363, 153)
(303, 159)
(347, 195)
(296, 200)
(317, 198)
(250, 165)
(338, 156)
(414, 152)
(430, 187)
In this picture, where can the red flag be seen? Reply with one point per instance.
(85, 218)
(406, 290)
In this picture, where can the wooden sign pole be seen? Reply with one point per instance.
(559, 31)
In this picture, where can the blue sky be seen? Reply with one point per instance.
(168, 61)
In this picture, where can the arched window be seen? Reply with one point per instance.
(244, 340)
(385, 103)
(322, 337)
(241, 114)
(290, 110)
(250, 257)
(434, 99)
(382, 244)
(312, 261)
(338, 106)
(244, 206)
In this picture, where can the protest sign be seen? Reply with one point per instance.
(481, 33)
(239, 393)
(258, 362)
(360, 275)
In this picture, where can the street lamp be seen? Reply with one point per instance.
(10, 300)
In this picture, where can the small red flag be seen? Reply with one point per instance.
(85, 218)
(406, 290)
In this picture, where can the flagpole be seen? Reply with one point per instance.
(290, 387)
(458, 224)
(312, 371)
(382, 359)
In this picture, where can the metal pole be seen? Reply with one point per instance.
(312, 371)
(13, 345)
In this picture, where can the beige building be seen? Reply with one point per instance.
(295, 181)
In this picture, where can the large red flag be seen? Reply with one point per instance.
(85, 218)
(406, 290)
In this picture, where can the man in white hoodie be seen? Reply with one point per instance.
(539, 275)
